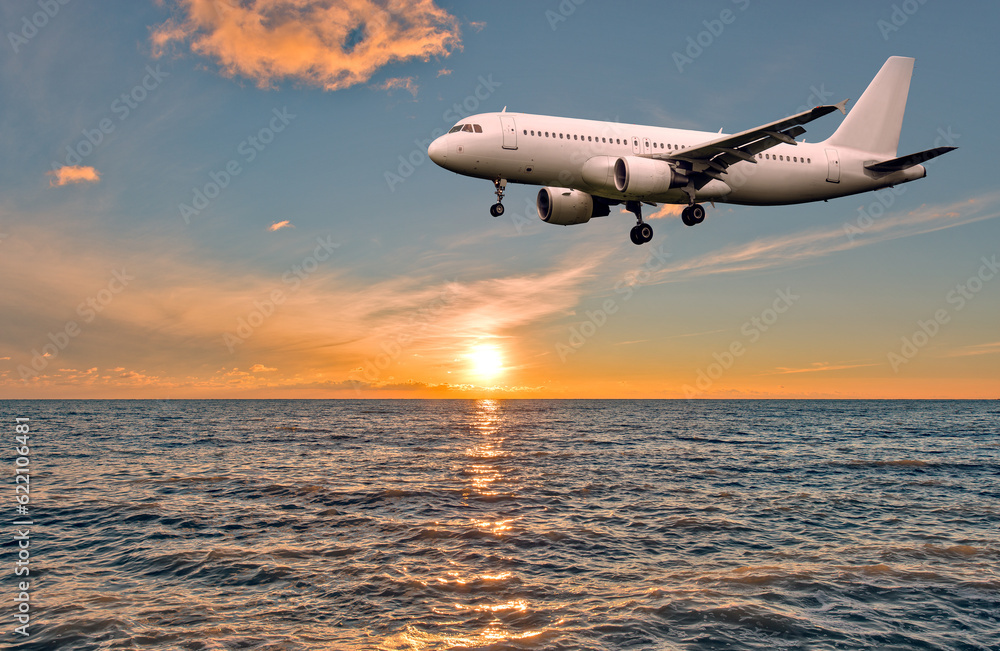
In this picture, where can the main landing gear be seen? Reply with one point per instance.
(497, 209)
(693, 214)
(641, 232)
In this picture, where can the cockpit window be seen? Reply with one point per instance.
(467, 127)
(478, 128)
(457, 127)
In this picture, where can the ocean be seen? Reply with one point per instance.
(502, 524)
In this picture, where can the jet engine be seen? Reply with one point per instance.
(641, 177)
(564, 206)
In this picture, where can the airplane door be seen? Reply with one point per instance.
(645, 146)
(509, 131)
(833, 166)
(635, 146)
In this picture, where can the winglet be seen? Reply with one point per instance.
(842, 106)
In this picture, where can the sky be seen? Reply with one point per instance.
(232, 199)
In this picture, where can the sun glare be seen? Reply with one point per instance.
(487, 362)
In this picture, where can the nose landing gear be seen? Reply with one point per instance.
(497, 209)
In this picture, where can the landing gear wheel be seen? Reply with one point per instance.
(497, 209)
(641, 232)
(693, 214)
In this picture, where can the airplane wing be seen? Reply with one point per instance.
(713, 158)
(903, 162)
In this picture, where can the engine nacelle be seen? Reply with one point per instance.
(640, 177)
(599, 173)
(564, 206)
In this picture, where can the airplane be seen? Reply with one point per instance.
(587, 166)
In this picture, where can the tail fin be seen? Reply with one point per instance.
(874, 123)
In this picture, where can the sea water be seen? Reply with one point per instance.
(506, 524)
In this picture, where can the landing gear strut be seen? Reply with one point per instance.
(641, 232)
(497, 209)
(693, 214)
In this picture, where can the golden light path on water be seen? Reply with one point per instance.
(485, 481)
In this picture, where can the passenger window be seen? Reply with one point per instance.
(525, 132)
(809, 160)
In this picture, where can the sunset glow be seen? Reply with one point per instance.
(487, 362)
(236, 200)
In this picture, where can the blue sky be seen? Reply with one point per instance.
(414, 269)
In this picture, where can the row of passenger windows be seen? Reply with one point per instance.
(791, 159)
(471, 128)
(613, 141)
(624, 141)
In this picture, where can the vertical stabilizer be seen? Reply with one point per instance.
(874, 123)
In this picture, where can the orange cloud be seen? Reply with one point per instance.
(73, 174)
(277, 226)
(331, 44)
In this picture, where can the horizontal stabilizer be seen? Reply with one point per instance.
(904, 162)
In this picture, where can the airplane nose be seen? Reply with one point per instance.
(438, 149)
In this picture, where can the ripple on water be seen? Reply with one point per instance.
(517, 524)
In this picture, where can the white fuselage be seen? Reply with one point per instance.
(551, 151)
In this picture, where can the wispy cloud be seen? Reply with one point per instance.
(321, 327)
(331, 44)
(70, 174)
(794, 248)
(978, 349)
(277, 226)
(395, 83)
(817, 367)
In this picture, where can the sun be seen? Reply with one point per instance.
(487, 361)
